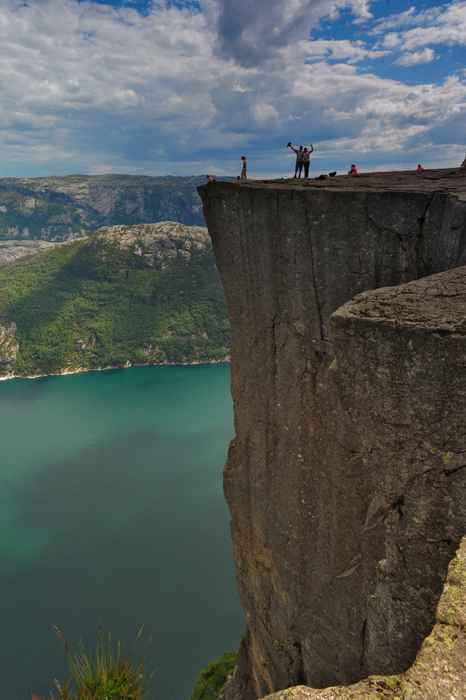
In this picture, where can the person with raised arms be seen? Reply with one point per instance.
(299, 158)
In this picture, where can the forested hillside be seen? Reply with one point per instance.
(145, 294)
(63, 208)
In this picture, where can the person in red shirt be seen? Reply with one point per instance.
(353, 170)
(419, 167)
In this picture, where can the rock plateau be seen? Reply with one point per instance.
(345, 479)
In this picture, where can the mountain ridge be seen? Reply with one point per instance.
(65, 207)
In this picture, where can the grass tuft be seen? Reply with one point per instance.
(111, 673)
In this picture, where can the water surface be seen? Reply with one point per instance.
(111, 506)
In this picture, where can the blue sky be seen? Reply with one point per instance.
(185, 87)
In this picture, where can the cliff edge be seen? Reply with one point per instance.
(344, 480)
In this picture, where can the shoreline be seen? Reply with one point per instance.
(127, 365)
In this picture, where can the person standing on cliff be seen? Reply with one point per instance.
(307, 159)
(245, 165)
(299, 159)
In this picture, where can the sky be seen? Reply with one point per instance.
(186, 87)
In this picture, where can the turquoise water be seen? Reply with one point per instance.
(111, 506)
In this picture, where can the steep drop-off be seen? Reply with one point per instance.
(401, 360)
(341, 546)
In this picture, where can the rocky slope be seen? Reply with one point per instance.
(146, 294)
(64, 208)
(12, 249)
(341, 540)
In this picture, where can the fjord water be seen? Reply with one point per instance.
(111, 506)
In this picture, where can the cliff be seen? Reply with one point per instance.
(439, 671)
(342, 481)
(147, 294)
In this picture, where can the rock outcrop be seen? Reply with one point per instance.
(152, 245)
(346, 500)
(12, 250)
(8, 344)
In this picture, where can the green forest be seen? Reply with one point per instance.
(94, 304)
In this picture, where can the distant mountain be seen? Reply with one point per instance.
(147, 294)
(69, 207)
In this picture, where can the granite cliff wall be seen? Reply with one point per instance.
(347, 502)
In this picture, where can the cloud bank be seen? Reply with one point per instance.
(189, 87)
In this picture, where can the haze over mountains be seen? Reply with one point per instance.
(64, 208)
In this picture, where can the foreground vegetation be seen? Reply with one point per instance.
(140, 295)
(212, 679)
(112, 673)
(109, 674)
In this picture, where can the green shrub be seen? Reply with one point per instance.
(212, 679)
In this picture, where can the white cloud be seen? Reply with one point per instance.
(241, 88)
(391, 40)
(410, 59)
(339, 49)
(445, 24)
(99, 87)
(401, 19)
(264, 112)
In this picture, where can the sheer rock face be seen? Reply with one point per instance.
(316, 522)
(401, 364)
(439, 671)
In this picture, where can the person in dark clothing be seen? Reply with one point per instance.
(243, 171)
(299, 159)
(306, 160)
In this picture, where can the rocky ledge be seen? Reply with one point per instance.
(344, 481)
